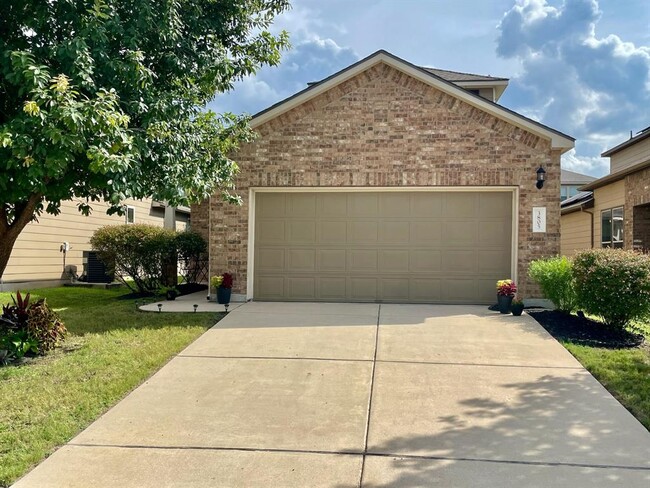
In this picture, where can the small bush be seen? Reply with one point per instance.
(139, 251)
(555, 278)
(613, 284)
(189, 245)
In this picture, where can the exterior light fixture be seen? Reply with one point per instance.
(195, 307)
(226, 305)
(541, 178)
(159, 307)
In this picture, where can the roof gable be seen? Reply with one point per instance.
(558, 139)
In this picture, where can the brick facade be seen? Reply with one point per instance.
(637, 220)
(383, 128)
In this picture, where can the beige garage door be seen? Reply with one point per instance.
(422, 247)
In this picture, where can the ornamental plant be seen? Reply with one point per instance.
(613, 284)
(216, 281)
(506, 288)
(555, 278)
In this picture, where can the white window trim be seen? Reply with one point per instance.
(611, 230)
(126, 214)
(250, 266)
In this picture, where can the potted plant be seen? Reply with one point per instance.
(517, 306)
(223, 285)
(506, 290)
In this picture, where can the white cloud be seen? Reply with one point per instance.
(594, 88)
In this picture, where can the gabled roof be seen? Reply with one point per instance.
(612, 177)
(572, 178)
(644, 134)
(558, 139)
(459, 76)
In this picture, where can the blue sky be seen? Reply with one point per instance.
(580, 66)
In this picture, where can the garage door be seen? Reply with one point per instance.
(418, 247)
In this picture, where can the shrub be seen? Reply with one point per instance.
(613, 284)
(555, 278)
(138, 251)
(190, 248)
(27, 328)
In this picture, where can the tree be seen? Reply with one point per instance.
(104, 100)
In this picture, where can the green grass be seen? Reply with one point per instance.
(111, 348)
(624, 372)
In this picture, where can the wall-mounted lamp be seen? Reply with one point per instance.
(541, 178)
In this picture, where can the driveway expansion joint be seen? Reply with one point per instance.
(274, 358)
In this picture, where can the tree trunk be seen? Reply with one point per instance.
(9, 232)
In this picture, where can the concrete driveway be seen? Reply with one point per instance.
(348, 395)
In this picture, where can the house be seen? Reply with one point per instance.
(570, 182)
(612, 211)
(37, 258)
(389, 182)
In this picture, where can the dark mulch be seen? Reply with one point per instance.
(188, 288)
(584, 331)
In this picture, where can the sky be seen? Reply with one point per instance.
(579, 66)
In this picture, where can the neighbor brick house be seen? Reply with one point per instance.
(388, 182)
(613, 211)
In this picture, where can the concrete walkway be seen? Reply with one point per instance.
(349, 395)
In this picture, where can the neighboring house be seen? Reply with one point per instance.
(570, 182)
(388, 182)
(612, 211)
(37, 259)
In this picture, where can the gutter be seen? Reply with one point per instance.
(582, 210)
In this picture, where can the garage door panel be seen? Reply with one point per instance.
(333, 205)
(393, 260)
(270, 232)
(425, 261)
(302, 205)
(302, 288)
(394, 232)
(426, 232)
(394, 289)
(271, 259)
(363, 232)
(427, 204)
(394, 205)
(332, 289)
(301, 260)
(365, 260)
(332, 260)
(332, 232)
(421, 247)
(302, 232)
(363, 289)
(460, 233)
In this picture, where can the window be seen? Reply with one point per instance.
(567, 191)
(130, 214)
(611, 225)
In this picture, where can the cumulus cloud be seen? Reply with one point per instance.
(593, 87)
(309, 60)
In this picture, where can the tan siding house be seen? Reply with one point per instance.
(616, 206)
(36, 257)
(387, 182)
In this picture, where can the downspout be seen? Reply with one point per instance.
(582, 209)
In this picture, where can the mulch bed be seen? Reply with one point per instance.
(584, 331)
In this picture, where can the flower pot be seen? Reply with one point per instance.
(517, 308)
(504, 303)
(223, 295)
(171, 295)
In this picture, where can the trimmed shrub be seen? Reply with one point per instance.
(137, 251)
(613, 284)
(555, 278)
(189, 245)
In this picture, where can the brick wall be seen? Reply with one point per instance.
(637, 192)
(384, 128)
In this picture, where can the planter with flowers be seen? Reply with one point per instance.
(223, 285)
(517, 306)
(506, 290)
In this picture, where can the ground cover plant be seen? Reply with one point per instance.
(110, 349)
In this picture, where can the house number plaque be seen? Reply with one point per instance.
(539, 219)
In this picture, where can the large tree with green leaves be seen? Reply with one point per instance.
(104, 100)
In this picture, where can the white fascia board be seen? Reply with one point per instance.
(558, 141)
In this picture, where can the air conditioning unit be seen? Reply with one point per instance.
(95, 269)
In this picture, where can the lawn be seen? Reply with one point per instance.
(111, 348)
(624, 371)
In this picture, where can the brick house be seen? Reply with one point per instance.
(612, 211)
(388, 182)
